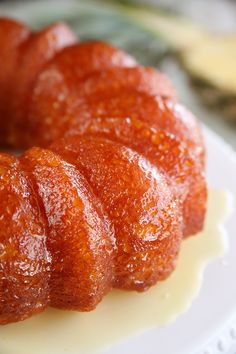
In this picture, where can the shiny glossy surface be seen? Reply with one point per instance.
(12, 34)
(33, 54)
(79, 239)
(24, 259)
(111, 200)
(163, 150)
(139, 203)
(143, 79)
(122, 323)
(56, 92)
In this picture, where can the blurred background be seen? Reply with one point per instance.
(193, 41)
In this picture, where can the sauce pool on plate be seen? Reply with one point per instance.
(124, 314)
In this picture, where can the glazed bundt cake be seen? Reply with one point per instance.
(116, 182)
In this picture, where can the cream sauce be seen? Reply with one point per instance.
(123, 314)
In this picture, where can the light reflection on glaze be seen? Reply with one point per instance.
(123, 314)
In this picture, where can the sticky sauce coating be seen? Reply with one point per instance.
(24, 260)
(12, 34)
(116, 182)
(163, 150)
(79, 239)
(139, 203)
(123, 315)
(33, 53)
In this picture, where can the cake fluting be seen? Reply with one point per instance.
(114, 185)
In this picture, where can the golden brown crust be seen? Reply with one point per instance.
(33, 54)
(24, 260)
(139, 203)
(108, 203)
(12, 34)
(164, 150)
(79, 238)
(50, 97)
(143, 79)
(56, 91)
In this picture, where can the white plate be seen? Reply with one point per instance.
(203, 328)
(209, 314)
(206, 327)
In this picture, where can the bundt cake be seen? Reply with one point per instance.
(116, 180)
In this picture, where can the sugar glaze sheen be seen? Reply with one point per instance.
(123, 314)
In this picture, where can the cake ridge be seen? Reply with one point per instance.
(117, 179)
